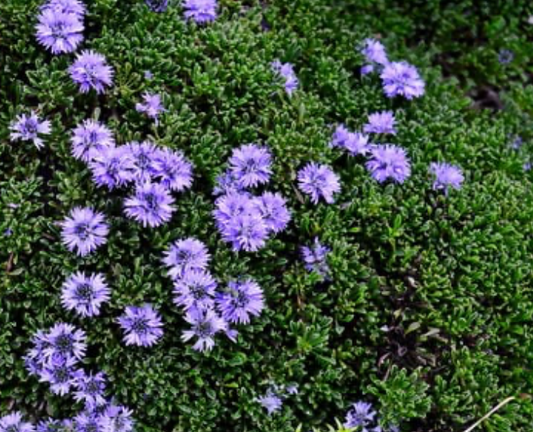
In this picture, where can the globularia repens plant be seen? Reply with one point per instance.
(247, 216)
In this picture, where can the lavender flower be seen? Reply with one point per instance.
(401, 78)
(195, 289)
(205, 324)
(148, 75)
(59, 32)
(446, 176)
(273, 210)
(52, 425)
(226, 183)
(84, 230)
(157, 5)
(318, 181)
(14, 423)
(315, 258)
(232, 205)
(271, 402)
(201, 11)
(144, 160)
(527, 166)
(90, 389)
(142, 325)
(75, 7)
(66, 342)
(151, 205)
(116, 419)
(374, 52)
(112, 167)
(85, 293)
(89, 139)
(381, 123)
(87, 421)
(360, 415)
(28, 128)
(250, 165)
(340, 137)
(292, 389)
(186, 255)
(389, 162)
(61, 374)
(151, 106)
(367, 69)
(517, 142)
(91, 71)
(354, 142)
(286, 71)
(505, 56)
(240, 300)
(172, 170)
(246, 232)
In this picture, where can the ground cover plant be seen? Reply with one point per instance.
(274, 216)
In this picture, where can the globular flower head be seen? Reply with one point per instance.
(151, 205)
(61, 374)
(360, 415)
(186, 255)
(318, 181)
(286, 72)
(389, 162)
(195, 289)
(28, 128)
(381, 123)
(142, 325)
(354, 142)
(246, 232)
(250, 165)
(112, 167)
(91, 71)
(172, 170)
(446, 176)
(59, 32)
(14, 423)
(90, 389)
(201, 11)
(116, 418)
(271, 402)
(144, 156)
(75, 7)
(401, 78)
(241, 300)
(226, 183)
(272, 208)
(65, 341)
(315, 258)
(205, 324)
(232, 205)
(374, 52)
(84, 230)
(157, 5)
(151, 106)
(340, 136)
(89, 139)
(85, 294)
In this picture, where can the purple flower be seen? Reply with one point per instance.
(61, 374)
(361, 414)
(374, 52)
(59, 32)
(85, 293)
(354, 142)
(186, 255)
(201, 11)
(142, 325)
(90, 389)
(340, 137)
(250, 165)
(315, 258)
(505, 56)
(151, 205)
(292, 389)
(318, 181)
(157, 5)
(517, 142)
(87, 422)
(84, 230)
(271, 402)
(381, 123)
(91, 71)
(367, 69)
(273, 210)
(75, 7)
(286, 71)
(151, 106)
(246, 232)
(172, 170)
(205, 324)
(28, 128)
(52, 425)
(240, 300)
(527, 166)
(65, 341)
(148, 75)
(401, 78)
(112, 167)
(90, 138)
(446, 175)
(116, 418)
(195, 289)
(13, 423)
(144, 160)
(226, 183)
(232, 205)
(389, 162)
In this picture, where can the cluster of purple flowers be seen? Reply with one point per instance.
(243, 219)
(315, 258)
(208, 309)
(286, 72)
(201, 11)
(398, 78)
(272, 401)
(151, 106)
(362, 417)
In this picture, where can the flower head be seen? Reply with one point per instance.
(75, 7)
(286, 72)
(91, 71)
(186, 255)
(87, 421)
(157, 5)
(205, 324)
(226, 183)
(84, 230)
(28, 128)
(14, 423)
(446, 176)
(61, 374)
(232, 205)
(142, 325)
(151, 106)
(240, 300)
(151, 205)
(59, 32)
(361, 414)
(401, 78)
(89, 139)
(374, 52)
(116, 418)
(271, 402)
(505, 56)
(272, 208)
(315, 258)
(389, 162)
(112, 167)
(195, 289)
(144, 156)
(85, 294)
(90, 389)
(52, 425)
(250, 165)
(381, 123)
(66, 342)
(172, 170)
(201, 11)
(246, 232)
(318, 181)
